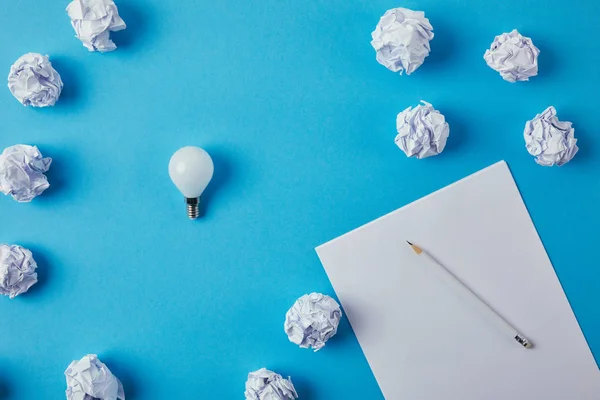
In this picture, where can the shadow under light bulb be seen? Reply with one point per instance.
(191, 169)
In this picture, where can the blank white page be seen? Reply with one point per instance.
(423, 340)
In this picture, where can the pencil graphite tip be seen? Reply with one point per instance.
(415, 248)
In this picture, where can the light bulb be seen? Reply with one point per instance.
(191, 169)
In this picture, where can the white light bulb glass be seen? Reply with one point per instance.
(191, 169)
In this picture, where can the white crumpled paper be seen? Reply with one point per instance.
(17, 270)
(22, 169)
(267, 385)
(93, 20)
(89, 379)
(422, 131)
(401, 39)
(514, 56)
(549, 140)
(34, 82)
(312, 320)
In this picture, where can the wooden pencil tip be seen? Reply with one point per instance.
(415, 248)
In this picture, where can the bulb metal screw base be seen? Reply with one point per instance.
(193, 210)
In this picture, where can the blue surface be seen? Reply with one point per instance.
(300, 119)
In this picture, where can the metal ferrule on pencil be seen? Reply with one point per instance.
(523, 341)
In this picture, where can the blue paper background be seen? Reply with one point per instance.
(300, 119)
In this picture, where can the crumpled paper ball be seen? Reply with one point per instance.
(93, 20)
(422, 131)
(17, 270)
(22, 170)
(312, 320)
(514, 56)
(90, 379)
(549, 140)
(34, 82)
(401, 39)
(267, 385)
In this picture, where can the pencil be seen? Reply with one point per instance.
(461, 287)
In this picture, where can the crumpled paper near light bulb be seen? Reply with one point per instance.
(514, 56)
(550, 141)
(22, 169)
(17, 270)
(268, 385)
(93, 20)
(89, 379)
(312, 320)
(401, 39)
(34, 82)
(422, 131)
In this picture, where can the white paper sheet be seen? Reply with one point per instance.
(422, 340)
